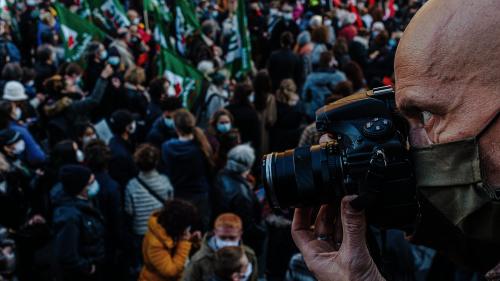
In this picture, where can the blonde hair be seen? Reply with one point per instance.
(287, 92)
(135, 76)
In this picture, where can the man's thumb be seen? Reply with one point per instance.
(353, 225)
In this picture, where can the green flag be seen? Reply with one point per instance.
(238, 57)
(162, 19)
(185, 79)
(186, 23)
(76, 32)
(109, 14)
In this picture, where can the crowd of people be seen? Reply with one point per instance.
(106, 175)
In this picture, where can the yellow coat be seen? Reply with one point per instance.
(164, 260)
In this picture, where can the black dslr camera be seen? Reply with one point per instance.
(369, 157)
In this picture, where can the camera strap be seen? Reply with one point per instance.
(370, 190)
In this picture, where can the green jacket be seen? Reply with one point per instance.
(201, 266)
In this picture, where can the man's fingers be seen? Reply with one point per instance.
(325, 220)
(301, 228)
(353, 226)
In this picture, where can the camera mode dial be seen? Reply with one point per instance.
(377, 128)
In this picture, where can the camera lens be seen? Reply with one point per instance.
(304, 176)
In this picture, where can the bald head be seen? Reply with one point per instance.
(447, 64)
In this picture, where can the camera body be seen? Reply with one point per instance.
(369, 156)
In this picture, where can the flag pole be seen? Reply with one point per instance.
(146, 19)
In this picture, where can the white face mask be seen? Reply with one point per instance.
(248, 273)
(132, 127)
(87, 139)
(19, 147)
(18, 113)
(93, 189)
(219, 243)
(80, 157)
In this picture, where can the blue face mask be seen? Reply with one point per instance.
(103, 55)
(93, 189)
(223, 127)
(169, 122)
(114, 61)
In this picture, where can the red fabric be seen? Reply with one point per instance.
(348, 32)
(387, 81)
(392, 10)
(336, 3)
(354, 10)
(371, 3)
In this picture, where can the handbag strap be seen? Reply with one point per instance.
(150, 190)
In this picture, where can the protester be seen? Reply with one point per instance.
(231, 264)
(246, 118)
(191, 151)
(290, 119)
(237, 195)
(265, 104)
(163, 128)
(227, 232)
(284, 64)
(222, 136)
(108, 201)
(320, 84)
(74, 218)
(122, 167)
(168, 241)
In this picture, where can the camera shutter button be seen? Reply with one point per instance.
(377, 127)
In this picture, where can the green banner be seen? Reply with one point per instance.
(76, 32)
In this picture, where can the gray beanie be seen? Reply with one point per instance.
(240, 158)
(304, 38)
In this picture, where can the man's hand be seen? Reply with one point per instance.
(494, 274)
(328, 257)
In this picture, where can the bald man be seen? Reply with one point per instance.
(448, 87)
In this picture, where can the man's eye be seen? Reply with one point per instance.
(426, 116)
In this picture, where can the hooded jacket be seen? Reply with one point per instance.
(201, 267)
(164, 258)
(79, 243)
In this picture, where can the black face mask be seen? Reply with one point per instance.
(450, 184)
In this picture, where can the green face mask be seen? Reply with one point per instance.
(459, 211)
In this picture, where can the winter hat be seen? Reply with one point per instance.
(315, 21)
(206, 67)
(8, 137)
(74, 178)
(304, 38)
(119, 121)
(378, 26)
(240, 159)
(14, 91)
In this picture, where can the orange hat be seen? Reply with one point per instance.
(228, 220)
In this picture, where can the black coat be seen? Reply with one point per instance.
(109, 203)
(78, 242)
(285, 64)
(288, 128)
(236, 196)
(160, 133)
(247, 122)
(121, 166)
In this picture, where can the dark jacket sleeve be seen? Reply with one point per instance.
(244, 208)
(66, 247)
(92, 101)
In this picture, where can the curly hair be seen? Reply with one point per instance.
(147, 157)
(177, 215)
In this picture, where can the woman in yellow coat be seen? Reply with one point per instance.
(167, 243)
